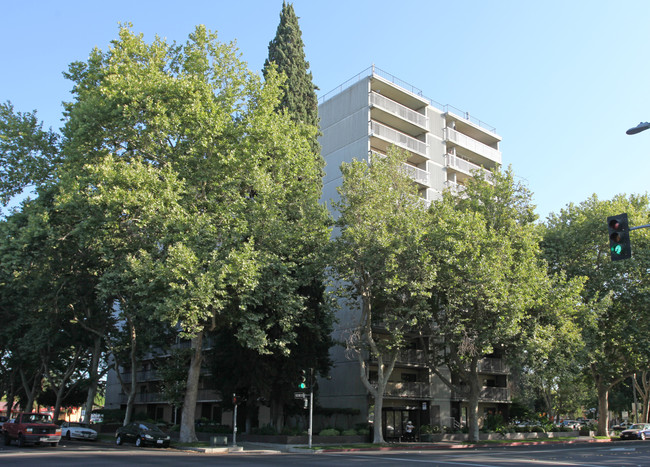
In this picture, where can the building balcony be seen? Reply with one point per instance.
(487, 394)
(418, 175)
(493, 366)
(407, 390)
(454, 187)
(203, 395)
(141, 376)
(410, 357)
(464, 166)
(398, 115)
(397, 138)
(489, 155)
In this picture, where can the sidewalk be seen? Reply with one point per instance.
(268, 448)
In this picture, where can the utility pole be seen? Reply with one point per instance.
(234, 420)
(311, 404)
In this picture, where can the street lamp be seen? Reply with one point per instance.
(639, 128)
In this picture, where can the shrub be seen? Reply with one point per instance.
(493, 422)
(426, 430)
(265, 430)
(329, 432)
(291, 431)
(350, 432)
(365, 431)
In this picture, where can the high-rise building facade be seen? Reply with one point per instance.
(445, 146)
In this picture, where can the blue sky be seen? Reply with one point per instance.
(560, 80)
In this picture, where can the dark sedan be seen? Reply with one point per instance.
(142, 434)
(636, 431)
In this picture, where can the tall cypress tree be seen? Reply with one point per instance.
(286, 50)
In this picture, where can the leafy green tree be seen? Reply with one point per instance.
(551, 350)
(28, 154)
(312, 341)
(287, 53)
(230, 242)
(380, 265)
(615, 323)
(485, 246)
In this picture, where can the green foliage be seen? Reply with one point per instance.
(494, 422)
(291, 431)
(379, 263)
(28, 155)
(286, 52)
(426, 430)
(614, 325)
(265, 430)
(329, 432)
(491, 288)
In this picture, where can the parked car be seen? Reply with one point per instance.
(32, 427)
(637, 431)
(573, 424)
(77, 430)
(622, 426)
(142, 434)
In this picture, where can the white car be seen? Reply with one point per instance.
(74, 430)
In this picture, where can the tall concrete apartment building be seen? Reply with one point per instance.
(367, 115)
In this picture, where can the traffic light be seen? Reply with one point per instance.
(303, 379)
(619, 237)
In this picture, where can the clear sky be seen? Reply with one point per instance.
(561, 80)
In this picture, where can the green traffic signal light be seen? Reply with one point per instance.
(619, 237)
(303, 379)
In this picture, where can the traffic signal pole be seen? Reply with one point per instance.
(640, 227)
(311, 404)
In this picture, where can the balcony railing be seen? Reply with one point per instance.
(142, 376)
(399, 110)
(408, 390)
(471, 144)
(464, 166)
(418, 175)
(493, 365)
(487, 394)
(398, 138)
(158, 397)
(454, 187)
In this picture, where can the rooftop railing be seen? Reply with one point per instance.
(374, 71)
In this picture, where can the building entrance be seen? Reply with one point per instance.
(395, 420)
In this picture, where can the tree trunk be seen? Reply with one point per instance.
(603, 408)
(378, 432)
(134, 365)
(277, 413)
(383, 374)
(93, 377)
(472, 403)
(61, 389)
(31, 391)
(188, 433)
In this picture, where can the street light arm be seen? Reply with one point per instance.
(639, 128)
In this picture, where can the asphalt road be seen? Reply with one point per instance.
(87, 454)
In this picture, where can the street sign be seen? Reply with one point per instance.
(299, 395)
